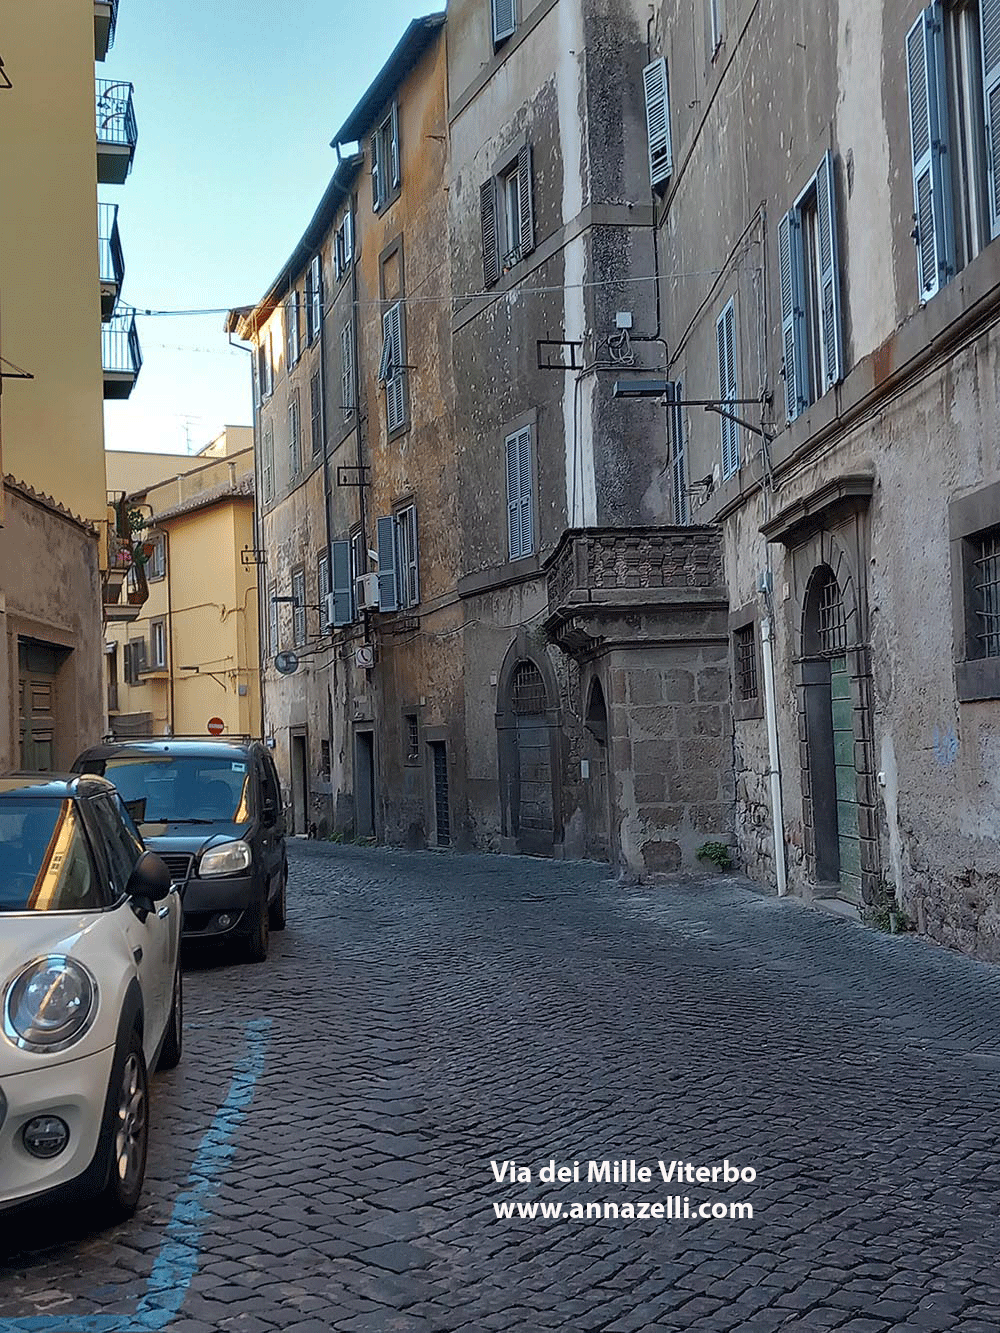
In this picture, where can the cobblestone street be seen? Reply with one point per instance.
(321, 1158)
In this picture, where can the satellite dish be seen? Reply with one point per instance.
(286, 663)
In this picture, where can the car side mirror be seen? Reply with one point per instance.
(148, 882)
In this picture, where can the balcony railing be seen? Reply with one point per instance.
(121, 354)
(117, 132)
(112, 260)
(105, 18)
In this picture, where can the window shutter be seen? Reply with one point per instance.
(315, 415)
(513, 498)
(989, 19)
(395, 385)
(725, 335)
(394, 145)
(792, 314)
(928, 122)
(654, 82)
(526, 241)
(412, 571)
(388, 358)
(348, 237)
(520, 509)
(376, 199)
(140, 656)
(491, 243)
(826, 213)
(341, 610)
(387, 600)
(347, 368)
(317, 294)
(323, 575)
(504, 20)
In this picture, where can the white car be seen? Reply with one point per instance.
(90, 992)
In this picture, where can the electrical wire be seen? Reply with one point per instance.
(489, 295)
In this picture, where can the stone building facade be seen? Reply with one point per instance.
(357, 478)
(829, 178)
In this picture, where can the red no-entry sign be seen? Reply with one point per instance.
(216, 726)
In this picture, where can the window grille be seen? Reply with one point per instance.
(746, 662)
(528, 690)
(412, 738)
(832, 620)
(986, 583)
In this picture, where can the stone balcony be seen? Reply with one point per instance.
(635, 585)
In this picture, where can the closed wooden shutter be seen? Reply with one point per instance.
(520, 507)
(347, 368)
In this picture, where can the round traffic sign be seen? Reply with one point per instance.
(216, 726)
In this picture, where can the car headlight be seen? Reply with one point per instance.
(50, 1004)
(229, 858)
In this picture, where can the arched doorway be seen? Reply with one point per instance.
(527, 728)
(829, 709)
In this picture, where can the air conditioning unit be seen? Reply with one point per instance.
(366, 592)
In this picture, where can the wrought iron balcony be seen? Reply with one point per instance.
(117, 132)
(105, 18)
(112, 261)
(121, 354)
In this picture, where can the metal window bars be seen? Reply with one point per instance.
(832, 619)
(986, 582)
(746, 663)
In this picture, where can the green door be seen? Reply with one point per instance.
(846, 780)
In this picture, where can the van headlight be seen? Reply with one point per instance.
(229, 858)
(50, 1004)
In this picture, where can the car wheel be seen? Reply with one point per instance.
(129, 1133)
(259, 937)
(170, 1051)
(277, 910)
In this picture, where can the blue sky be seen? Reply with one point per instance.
(236, 103)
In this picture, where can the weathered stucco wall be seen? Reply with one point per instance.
(50, 594)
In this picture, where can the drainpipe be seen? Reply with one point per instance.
(774, 769)
(170, 626)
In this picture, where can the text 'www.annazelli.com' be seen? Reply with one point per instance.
(675, 1208)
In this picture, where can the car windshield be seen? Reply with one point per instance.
(182, 789)
(45, 865)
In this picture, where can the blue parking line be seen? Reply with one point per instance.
(177, 1261)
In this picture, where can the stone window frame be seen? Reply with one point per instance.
(746, 709)
(971, 516)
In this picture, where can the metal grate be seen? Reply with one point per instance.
(442, 809)
(832, 621)
(528, 690)
(412, 737)
(746, 662)
(986, 582)
(179, 866)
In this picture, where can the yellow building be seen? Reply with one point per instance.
(191, 655)
(61, 270)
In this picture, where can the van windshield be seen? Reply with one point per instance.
(45, 865)
(182, 789)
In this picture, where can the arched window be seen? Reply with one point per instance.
(825, 618)
(527, 690)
